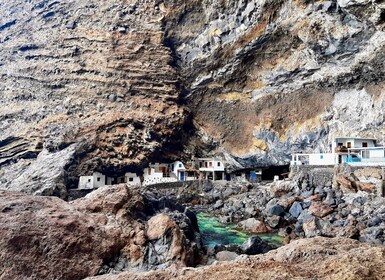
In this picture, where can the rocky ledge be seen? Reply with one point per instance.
(111, 230)
(315, 258)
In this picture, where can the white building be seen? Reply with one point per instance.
(211, 169)
(178, 170)
(158, 173)
(96, 180)
(353, 151)
(132, 178)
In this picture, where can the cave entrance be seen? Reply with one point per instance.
(269, 172)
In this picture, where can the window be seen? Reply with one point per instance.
(211, 164)
(172, 167)
(340, 144)
(349, 145)
(98, 179)
(200, 164)
(180, 165)
(206, 164)
(89, 180)
(219, 164)
(130, 179)
(321, 157)
(364, 144)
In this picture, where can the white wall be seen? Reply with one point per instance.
(84, 183)
(92, 182)
(99, 180)
(178, 166)
(153, 173)
(214, 166)
(358, 143)
(135, 178)
(376, 153)
(322, 159)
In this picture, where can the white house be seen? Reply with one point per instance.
(132, 178)
(96, 180)
(178, 170)
(211, 169)
(158, 173)
(350, 150)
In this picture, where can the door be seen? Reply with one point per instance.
(182, 175)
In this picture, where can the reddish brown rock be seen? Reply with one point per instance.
(320, 209)
(158, 226)
(48, 238)
(254, 225)
(344, 183)
(366, 187)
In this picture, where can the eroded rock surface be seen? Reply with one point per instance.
(261, 79)
(94, 75)
(107, 231)
(320, 258)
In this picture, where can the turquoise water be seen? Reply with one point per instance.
(215, 233)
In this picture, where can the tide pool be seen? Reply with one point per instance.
(215, 233)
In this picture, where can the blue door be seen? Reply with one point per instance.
(182, 175)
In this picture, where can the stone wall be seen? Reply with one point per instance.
(346, 177)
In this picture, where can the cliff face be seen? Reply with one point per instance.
(109, 85)
(267, 78)
(85, 86)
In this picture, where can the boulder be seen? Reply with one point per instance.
(296, 209)
(253, 225)
(320, 209)
(255, 245)
(274, 221)
(276, 210)
(311, 227)
(366, 187)
(226, 256)
(344, 183)
(48, 238)
(158, 226)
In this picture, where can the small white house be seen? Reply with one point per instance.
(178, 170)
(350, 150)
(211, 169)
(132, 178)
(158, 173)
(96, 180)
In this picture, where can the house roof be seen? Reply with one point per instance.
(213, 159)
(355, 138)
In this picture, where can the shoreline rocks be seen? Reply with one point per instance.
(112, 229)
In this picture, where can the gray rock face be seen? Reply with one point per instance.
(295, 209)
(261, 80)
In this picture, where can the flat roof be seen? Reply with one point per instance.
(358, 138)
(208, 159)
